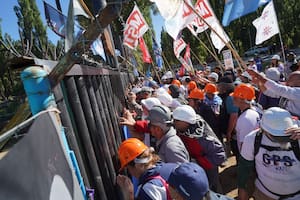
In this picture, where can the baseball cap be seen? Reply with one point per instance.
(167, 75)
(276, 57)
(214, 75)
(247, 75)
(160, 114)
(190, 180)
(273, 73)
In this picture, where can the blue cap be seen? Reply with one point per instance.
(190, 180)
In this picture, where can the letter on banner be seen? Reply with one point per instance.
(135, 28)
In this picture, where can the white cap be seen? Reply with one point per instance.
(273, 74)
(150, 102)
(276, 57)
(247, 75)
(276, 120)
(136, 90)
(185, 113)
(165, 99)
(167, 75)
(214, 75)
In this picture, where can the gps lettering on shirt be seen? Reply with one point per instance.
(276, 160)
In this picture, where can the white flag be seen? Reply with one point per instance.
(216, 40)
(78, 10)
(135, 28)
(176, 18)
(266, 25)
(205, 11)
(178, 46)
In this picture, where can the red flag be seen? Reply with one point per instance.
(146, 55)
(135, 28)
(187, 55)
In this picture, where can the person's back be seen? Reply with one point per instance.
(275, 157)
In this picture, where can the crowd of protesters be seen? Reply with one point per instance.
(184, 128)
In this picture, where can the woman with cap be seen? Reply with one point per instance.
(275, 157)
(143, 164)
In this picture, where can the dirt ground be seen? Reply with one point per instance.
(228, 177)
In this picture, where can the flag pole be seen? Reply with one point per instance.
(235, 54)
(280, 38)
(194, 54)
(211, 53)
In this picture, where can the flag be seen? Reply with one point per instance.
(266, 25)
(216, 40)
(97, 48)
(187, 56)
(69, 37)
(235, 9)
(146, 55)
(55, 20)
(157, 54)
(135, 28)
(204, 10)
(167, 8)
(197, 26)
(78, 8)
(58, 22)
(178, 46)
(177, 15)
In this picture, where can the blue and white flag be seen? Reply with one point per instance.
(97, 48)
(235, 9)
(157, 54)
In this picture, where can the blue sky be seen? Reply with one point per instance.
(9, 19)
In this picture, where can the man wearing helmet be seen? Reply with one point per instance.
(248, 118)
(275, 157)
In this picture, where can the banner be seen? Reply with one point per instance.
(266, 25)
(228, 61)
(135, 28)
(178, 46)
(235, 9)
(146, 55)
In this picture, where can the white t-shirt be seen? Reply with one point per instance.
(246, 122)
(278, 170)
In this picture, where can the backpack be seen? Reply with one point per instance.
(165, 184)
(294, 146)
(257, 144)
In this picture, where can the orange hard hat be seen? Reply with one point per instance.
(129, 150)
(196, 94)
(210, 88)
(244, 91)
(191, 85)
(176, 82)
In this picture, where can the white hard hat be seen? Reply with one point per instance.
(185, 113)
(276, 57)
(273, 73)
(276, 120)
(150, 102)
